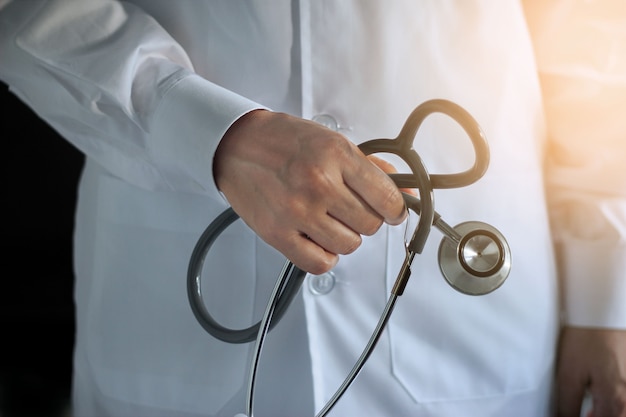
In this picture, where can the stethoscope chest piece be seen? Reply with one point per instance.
(479, 262)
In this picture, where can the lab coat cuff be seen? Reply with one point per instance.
(594, 291)
(186, 129)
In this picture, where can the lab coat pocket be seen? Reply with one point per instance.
(142, 343)
(449, 346)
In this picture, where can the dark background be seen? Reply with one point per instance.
(40, 171)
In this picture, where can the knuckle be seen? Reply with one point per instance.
(321, 265)
(372, 227)
(293, 210)
(392, 202)
(309, 185)
(351, 245)
(317, 181)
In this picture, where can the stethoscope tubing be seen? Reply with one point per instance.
(194, 288)
(367, 351)
(264, 327)
(291, 277)
(402, 145)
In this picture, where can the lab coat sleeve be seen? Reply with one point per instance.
(581, 55)
(110, 80)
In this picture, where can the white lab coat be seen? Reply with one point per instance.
(146, 91)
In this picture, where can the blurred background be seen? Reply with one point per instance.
(40, 172)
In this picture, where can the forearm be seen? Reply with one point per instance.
(110, 80)
(581, 56)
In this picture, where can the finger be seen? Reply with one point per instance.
(570, 395)
(389, 168)
(347, 207)
(332, 235)
(607, 403)
(308, 255)
(608, 391)
(355, 213)
(572, 375)
(592, 359)
(377, 190)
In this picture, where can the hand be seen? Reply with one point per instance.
(304, 189)
(592, 360)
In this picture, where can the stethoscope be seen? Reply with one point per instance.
(474, 257)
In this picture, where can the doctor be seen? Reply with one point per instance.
(183, 108)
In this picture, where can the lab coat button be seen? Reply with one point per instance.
(327, 120)
(322, 284)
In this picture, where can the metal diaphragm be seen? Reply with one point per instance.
(479, 262)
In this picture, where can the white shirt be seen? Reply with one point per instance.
(146, 89)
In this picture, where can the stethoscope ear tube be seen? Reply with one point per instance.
(194, 287)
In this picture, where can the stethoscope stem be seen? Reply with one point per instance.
(447, 230)
(415, 204)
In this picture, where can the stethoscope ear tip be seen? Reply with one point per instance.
(479, 262)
